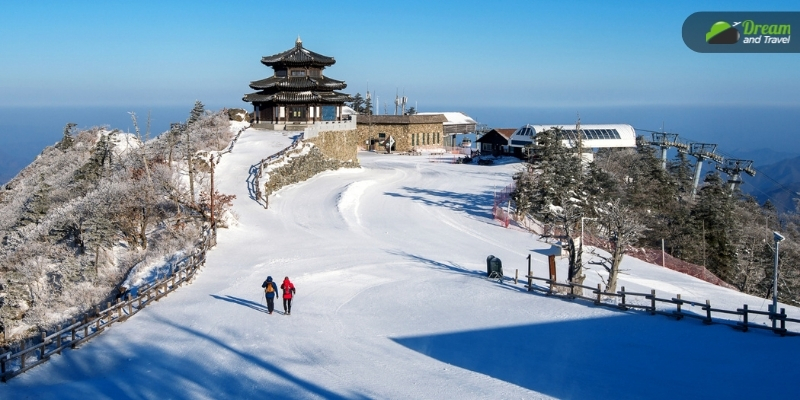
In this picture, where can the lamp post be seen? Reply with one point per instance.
(778, 239)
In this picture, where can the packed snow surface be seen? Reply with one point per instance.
(392, 302)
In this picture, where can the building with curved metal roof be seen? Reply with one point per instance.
(592, 136)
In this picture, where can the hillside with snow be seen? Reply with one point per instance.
(392, 302)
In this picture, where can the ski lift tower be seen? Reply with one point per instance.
(733, 168)
(702, 152)
(665, 141)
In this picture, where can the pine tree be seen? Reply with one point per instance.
(714, 210)
(91, 172)
(67, 141)
(681, 170)
(367, 107)
(358, 103)
(37, 206)
(550, 192)
(197, 111)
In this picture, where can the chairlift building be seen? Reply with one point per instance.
(593, 136)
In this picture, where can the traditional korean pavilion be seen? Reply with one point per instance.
(297, 93)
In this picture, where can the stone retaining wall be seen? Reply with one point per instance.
(328, 151)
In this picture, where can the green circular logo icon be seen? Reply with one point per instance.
(722, 33)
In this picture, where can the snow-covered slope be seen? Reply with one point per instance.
(389, 263)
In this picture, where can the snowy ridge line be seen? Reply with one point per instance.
(620, 301)
(15, 363)
(257, 171)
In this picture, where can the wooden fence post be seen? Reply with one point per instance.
(653, 302)
(708, 312)
(44, 345)
(744, 310)
(599, 291)
(73, 330)
(516, 275)
(22, 355)
(530, 276)
(679, 307)
(58, 339)
(623, 298)
(85, 327)
(783, 322)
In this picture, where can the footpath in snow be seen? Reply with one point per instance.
(389, 265)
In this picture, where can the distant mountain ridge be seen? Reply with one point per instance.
(777, 182)
(763, 156)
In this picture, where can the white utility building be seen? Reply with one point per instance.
(593, 136)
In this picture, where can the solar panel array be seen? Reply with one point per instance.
(572, 134)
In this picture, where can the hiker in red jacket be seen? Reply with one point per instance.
(288, 292)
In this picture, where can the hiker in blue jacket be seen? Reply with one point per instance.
(270, 290)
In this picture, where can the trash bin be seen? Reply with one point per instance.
(494, 267)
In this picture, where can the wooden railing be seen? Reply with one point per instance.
(257, 170)
(91, 324)
(649, 302)
(98, 320)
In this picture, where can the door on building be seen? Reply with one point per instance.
(297, 114)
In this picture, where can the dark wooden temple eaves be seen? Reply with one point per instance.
(304, 83)
(298, 97)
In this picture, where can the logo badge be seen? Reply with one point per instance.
(722, 33)
(741, 32)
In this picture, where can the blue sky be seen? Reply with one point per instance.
(458, 54)
(504, 62)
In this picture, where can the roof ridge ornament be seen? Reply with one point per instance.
(298, 43)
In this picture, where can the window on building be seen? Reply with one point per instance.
(298, 72)
(382, 136)
(281, 73)
(314, 72)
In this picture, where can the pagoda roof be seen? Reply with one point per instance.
(297, 97)
(298, 56)
(298, 83)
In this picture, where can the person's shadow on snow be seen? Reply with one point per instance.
(242, 302)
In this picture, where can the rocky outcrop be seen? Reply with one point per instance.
(238, 114)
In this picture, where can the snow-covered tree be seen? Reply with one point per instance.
(549, 190)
